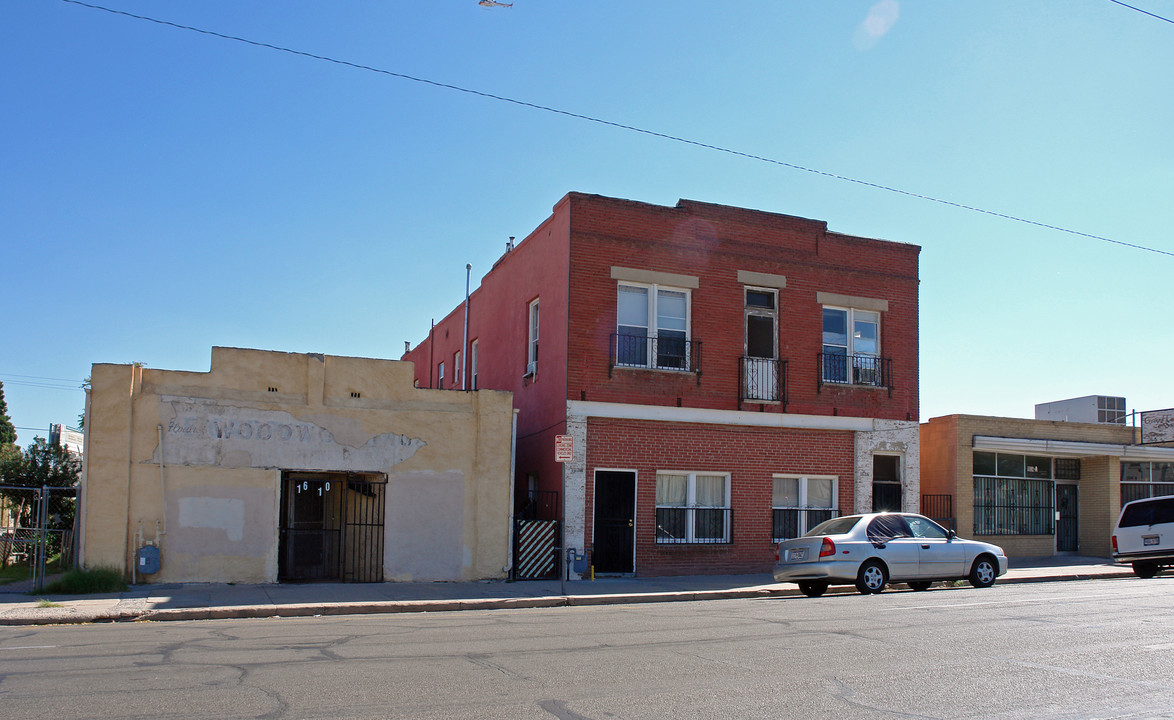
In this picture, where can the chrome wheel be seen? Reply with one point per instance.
(983, 573)
(871, 578)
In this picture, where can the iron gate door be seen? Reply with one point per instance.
(1067, 527)
(331, 527)
(615, 515)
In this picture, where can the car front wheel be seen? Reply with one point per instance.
(1145, 569)
(813, 588)
(984, 572)
(871, 578)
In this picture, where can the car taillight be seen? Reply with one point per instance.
(1114, 543)
(828, 548)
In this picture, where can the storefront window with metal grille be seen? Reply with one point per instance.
(1013, 494)
(1146, 479)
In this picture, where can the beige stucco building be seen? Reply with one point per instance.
(285, 466)
(1038, 487)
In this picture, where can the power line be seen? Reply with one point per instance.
(1143, 12)
(633, 128)
(37, 377)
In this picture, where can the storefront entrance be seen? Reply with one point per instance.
(331, 527)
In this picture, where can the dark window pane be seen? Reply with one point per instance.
(984, 463)
(760, 336)
(1010, 465)
(760, 299)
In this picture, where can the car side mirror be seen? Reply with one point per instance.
(950, 535)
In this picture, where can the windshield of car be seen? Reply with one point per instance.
(835, 526)
(884, 528)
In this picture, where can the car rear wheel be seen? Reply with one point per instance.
(920, 585)
(1145, 569)
(983, 572)
(813, 588)
(872, 577)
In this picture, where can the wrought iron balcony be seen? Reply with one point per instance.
(658, 353)
(762, 380)
(867, 370)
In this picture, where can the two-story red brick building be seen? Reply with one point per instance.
(730, 377)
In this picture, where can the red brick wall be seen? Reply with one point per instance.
(750, 455)
(713, 243)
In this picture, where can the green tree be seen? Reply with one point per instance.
(41, 464)
(7, 430)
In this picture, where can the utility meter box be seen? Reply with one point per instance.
(148, 560)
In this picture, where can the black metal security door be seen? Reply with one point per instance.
(615, 515)
(1067, 526)
(331, 527)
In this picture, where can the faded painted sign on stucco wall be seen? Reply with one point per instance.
(226, 436)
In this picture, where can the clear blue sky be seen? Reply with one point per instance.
(163, 191)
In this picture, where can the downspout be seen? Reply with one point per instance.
(83, 492)
(465, 342)
(509, 568)
(135, 373)
(431, 348)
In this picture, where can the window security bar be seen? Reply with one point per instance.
(693, 525)
(664, 352)
(762, 380)
(866, 370)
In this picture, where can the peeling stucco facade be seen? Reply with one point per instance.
(193, 463)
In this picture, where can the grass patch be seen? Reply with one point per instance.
(85, 582)
(43, 603)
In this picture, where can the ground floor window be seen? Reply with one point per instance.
(692, 507)
(1146, 479)
(800, 502)
(1013, 494)
(1009, 506)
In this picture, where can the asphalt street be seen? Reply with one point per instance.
(1093, 649)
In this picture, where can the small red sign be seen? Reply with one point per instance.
(564, 448)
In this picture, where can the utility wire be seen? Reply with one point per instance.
(37, 377)
(1143, 12)
(631, 128)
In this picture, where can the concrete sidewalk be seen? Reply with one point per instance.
(199, 601)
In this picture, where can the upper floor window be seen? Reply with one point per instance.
(652, 327)
(851, 346)
(760, 368)
(532, 340)
(440, 376)
(457, 369)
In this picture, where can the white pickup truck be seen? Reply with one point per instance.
(1144, 536)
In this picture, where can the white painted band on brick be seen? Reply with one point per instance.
(1072, 448)
(624, 411)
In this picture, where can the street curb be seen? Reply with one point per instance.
(67, 616)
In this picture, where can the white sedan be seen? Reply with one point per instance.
(875, 549)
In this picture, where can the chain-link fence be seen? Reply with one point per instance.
(36, 532)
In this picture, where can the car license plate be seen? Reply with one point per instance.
(797, 554)
(1149, 539)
